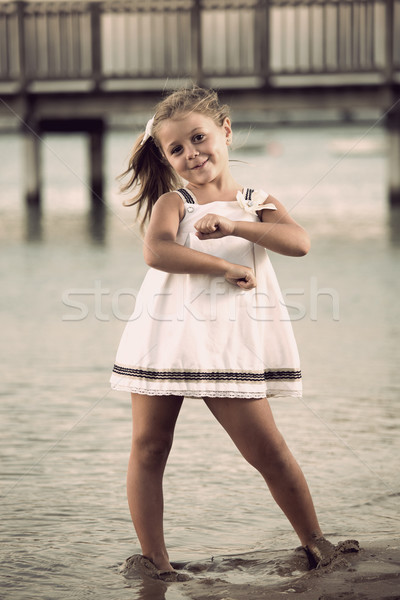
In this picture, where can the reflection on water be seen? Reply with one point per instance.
(394, 225)
(97, 223)
(33, 223)
(65, 436)
(247, 569)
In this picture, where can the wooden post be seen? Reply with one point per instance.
(95, 26)
(389, 40)
(393, 126)
(262, 28)
(197, 59)
(21, 45)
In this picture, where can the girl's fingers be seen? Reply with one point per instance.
(243, 277)
(206, 225)
(248, 283)
(208, 236)
(211, 224)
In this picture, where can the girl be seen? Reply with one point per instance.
(209, 320)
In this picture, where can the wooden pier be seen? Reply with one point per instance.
(67, 66)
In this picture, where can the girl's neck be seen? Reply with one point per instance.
(216, 190)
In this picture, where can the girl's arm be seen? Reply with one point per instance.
(161, 251)
(277, 231)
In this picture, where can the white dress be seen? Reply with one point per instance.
(200, 336)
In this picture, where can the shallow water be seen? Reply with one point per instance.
(65, 437)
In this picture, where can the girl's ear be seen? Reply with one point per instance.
(228, 130)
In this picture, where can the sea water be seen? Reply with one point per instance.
(65, 437)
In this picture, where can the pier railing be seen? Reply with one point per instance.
(251, 43)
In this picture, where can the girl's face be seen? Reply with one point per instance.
(195, 147)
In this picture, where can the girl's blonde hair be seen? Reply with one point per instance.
(148, 169)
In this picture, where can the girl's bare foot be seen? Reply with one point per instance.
(145, 566)
(321, 552)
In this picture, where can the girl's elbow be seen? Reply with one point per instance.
(157, 252)
(306, 248)
(151, 257)
(304, 245)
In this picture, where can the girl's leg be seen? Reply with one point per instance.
(251, 426)
(154, 419)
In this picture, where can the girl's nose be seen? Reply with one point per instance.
(192, 153)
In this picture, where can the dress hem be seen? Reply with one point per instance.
(209, 393)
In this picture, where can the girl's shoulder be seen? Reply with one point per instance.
(170, 198)
(170, 201)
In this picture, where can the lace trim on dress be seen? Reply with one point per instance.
(206, 393)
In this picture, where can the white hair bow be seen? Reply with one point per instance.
(148, 132)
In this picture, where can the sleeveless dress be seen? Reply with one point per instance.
(200, 336)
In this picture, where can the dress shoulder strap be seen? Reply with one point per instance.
(186, 195)
(248, 192)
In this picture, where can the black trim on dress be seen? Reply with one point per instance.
(267, 375)
(186, 194)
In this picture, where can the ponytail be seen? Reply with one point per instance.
(148, 170)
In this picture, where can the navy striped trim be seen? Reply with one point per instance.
(248, 194)
(186, 195)
(267, 375)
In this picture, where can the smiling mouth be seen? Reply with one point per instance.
(200, 165)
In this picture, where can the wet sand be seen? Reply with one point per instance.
(373, 573)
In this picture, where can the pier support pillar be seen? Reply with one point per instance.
(393, 126)
(94, 129)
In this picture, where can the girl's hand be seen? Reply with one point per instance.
(241, 276)
(213, 226)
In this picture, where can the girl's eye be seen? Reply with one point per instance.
(176, 150)
(199, 137)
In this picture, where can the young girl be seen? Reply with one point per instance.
(209, 320)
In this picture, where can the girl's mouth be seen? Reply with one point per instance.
(200, 165)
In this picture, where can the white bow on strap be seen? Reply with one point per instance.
(256, 203)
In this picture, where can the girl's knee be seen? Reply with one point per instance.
(151, 451)
(270, 459)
